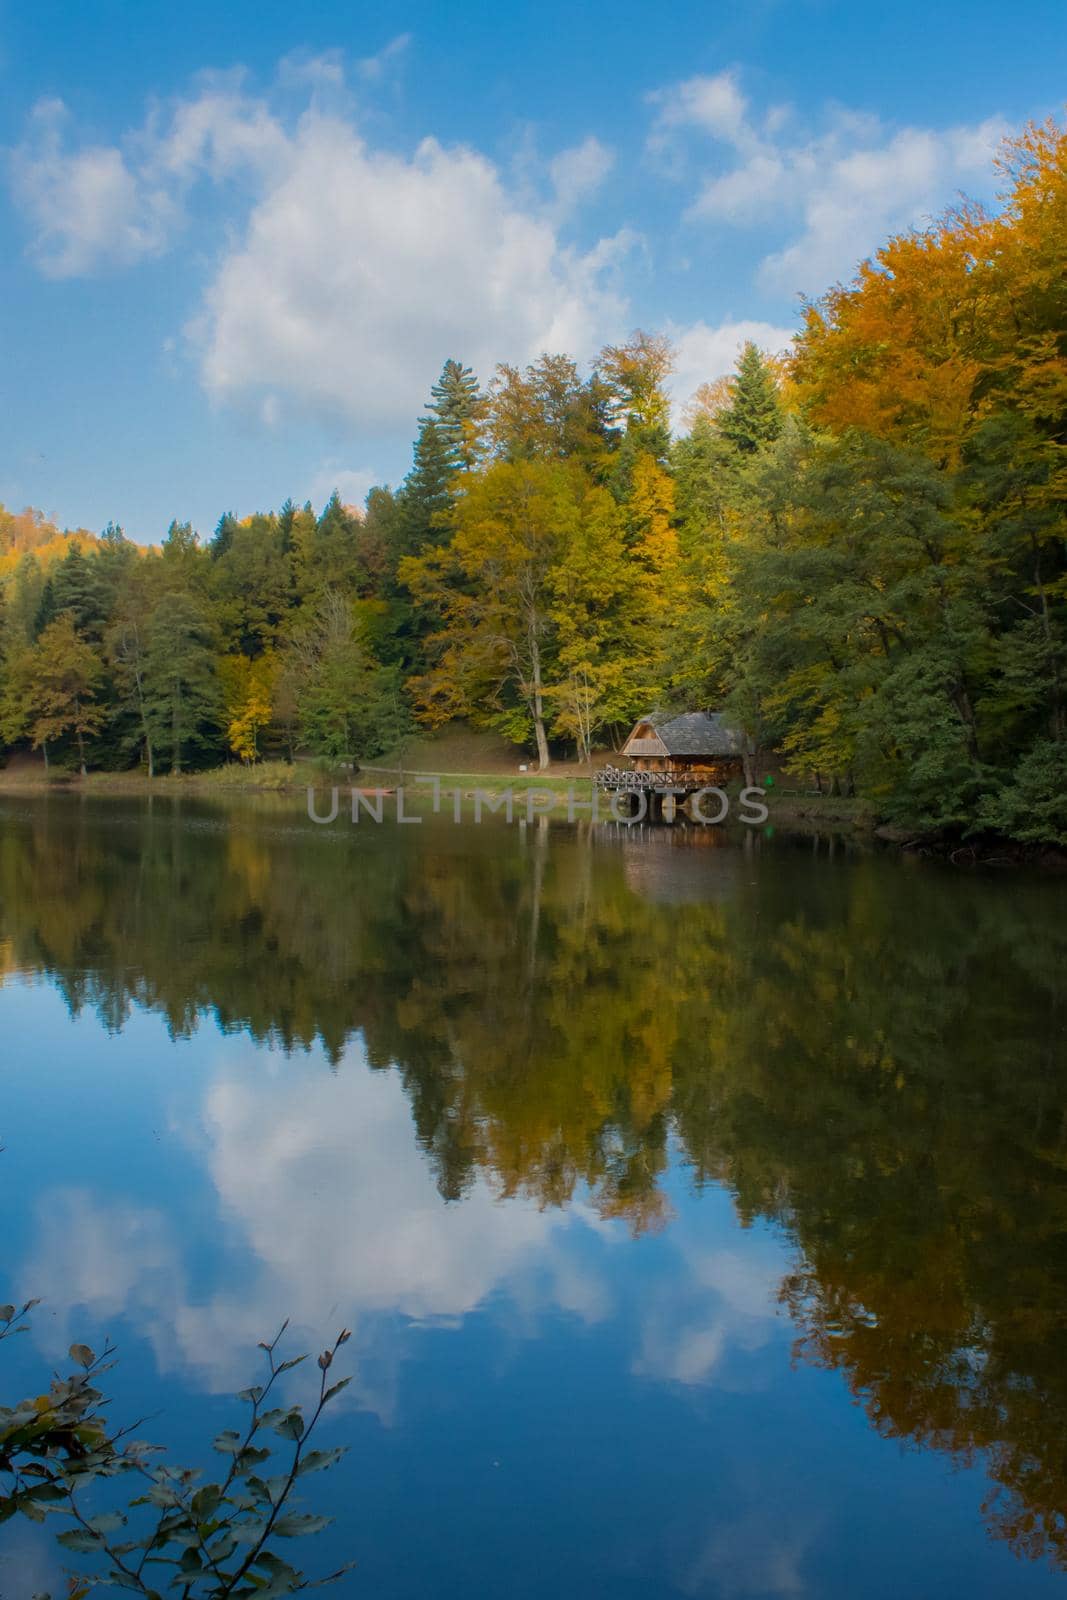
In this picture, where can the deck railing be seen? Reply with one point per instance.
(617, 778)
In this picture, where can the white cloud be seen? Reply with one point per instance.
(703, 353)
(371, 68)
(835, 193)
(114, 205)
(851, 200)
(713, 103)
(324, 70)
(578, 172)
(348, 274)
(87, 206)
(351, 483)
(219, 133)
(361, 271)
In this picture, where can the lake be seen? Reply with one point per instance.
(698, 1204)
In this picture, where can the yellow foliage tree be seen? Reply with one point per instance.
(248, 687)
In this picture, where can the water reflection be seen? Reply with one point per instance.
(865, 1058)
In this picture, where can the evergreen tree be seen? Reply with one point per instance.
(223, 535)
(458, 408)
(76, 590)
(286, 523)
(347, 705)
(47, 610)
(704, 477)
(424, 497)
(181, 694)
(753, 416)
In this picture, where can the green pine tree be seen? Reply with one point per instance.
(181, 696)
(754, 415)
(458, 408)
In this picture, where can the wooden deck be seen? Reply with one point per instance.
(617, 781)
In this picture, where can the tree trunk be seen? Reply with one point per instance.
(144, 720)
(538, 702)
(176, 734)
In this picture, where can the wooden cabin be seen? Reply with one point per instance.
(693, 750)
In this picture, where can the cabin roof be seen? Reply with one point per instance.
(692, 733)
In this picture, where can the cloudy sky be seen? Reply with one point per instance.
(239, 241)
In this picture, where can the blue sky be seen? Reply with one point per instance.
(238, 241)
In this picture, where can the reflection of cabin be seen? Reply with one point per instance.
(695, 750)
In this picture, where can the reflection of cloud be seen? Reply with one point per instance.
(320, 1182)
(321, 1207)
(759, 1554)
(336, 1202)
(103, 1256)
(723, 1303)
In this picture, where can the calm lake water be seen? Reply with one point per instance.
(699, 1207)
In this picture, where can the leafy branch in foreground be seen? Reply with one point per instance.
(216, 1538)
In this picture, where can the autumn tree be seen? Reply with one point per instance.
(248, 696)
(62, 681)
(491, 587)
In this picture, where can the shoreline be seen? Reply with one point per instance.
(794, 812)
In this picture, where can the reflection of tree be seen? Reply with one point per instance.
(908, 1126)
(868, 1057)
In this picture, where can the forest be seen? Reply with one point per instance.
(857, 549)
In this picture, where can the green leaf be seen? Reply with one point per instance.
(291, 1425)
(283, 1579)
(319, 1460)
(223, 1547)
(336, 1389)
(248, 1532)
(109, 1522)
(287, 1366)
(206, 1501)
(47, 1492)
(295, 1523)
(79, 1540)
(267, 1419)
(228, 1442)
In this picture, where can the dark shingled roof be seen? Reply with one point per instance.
(697, 733)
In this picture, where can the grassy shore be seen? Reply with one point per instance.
(791, 808)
